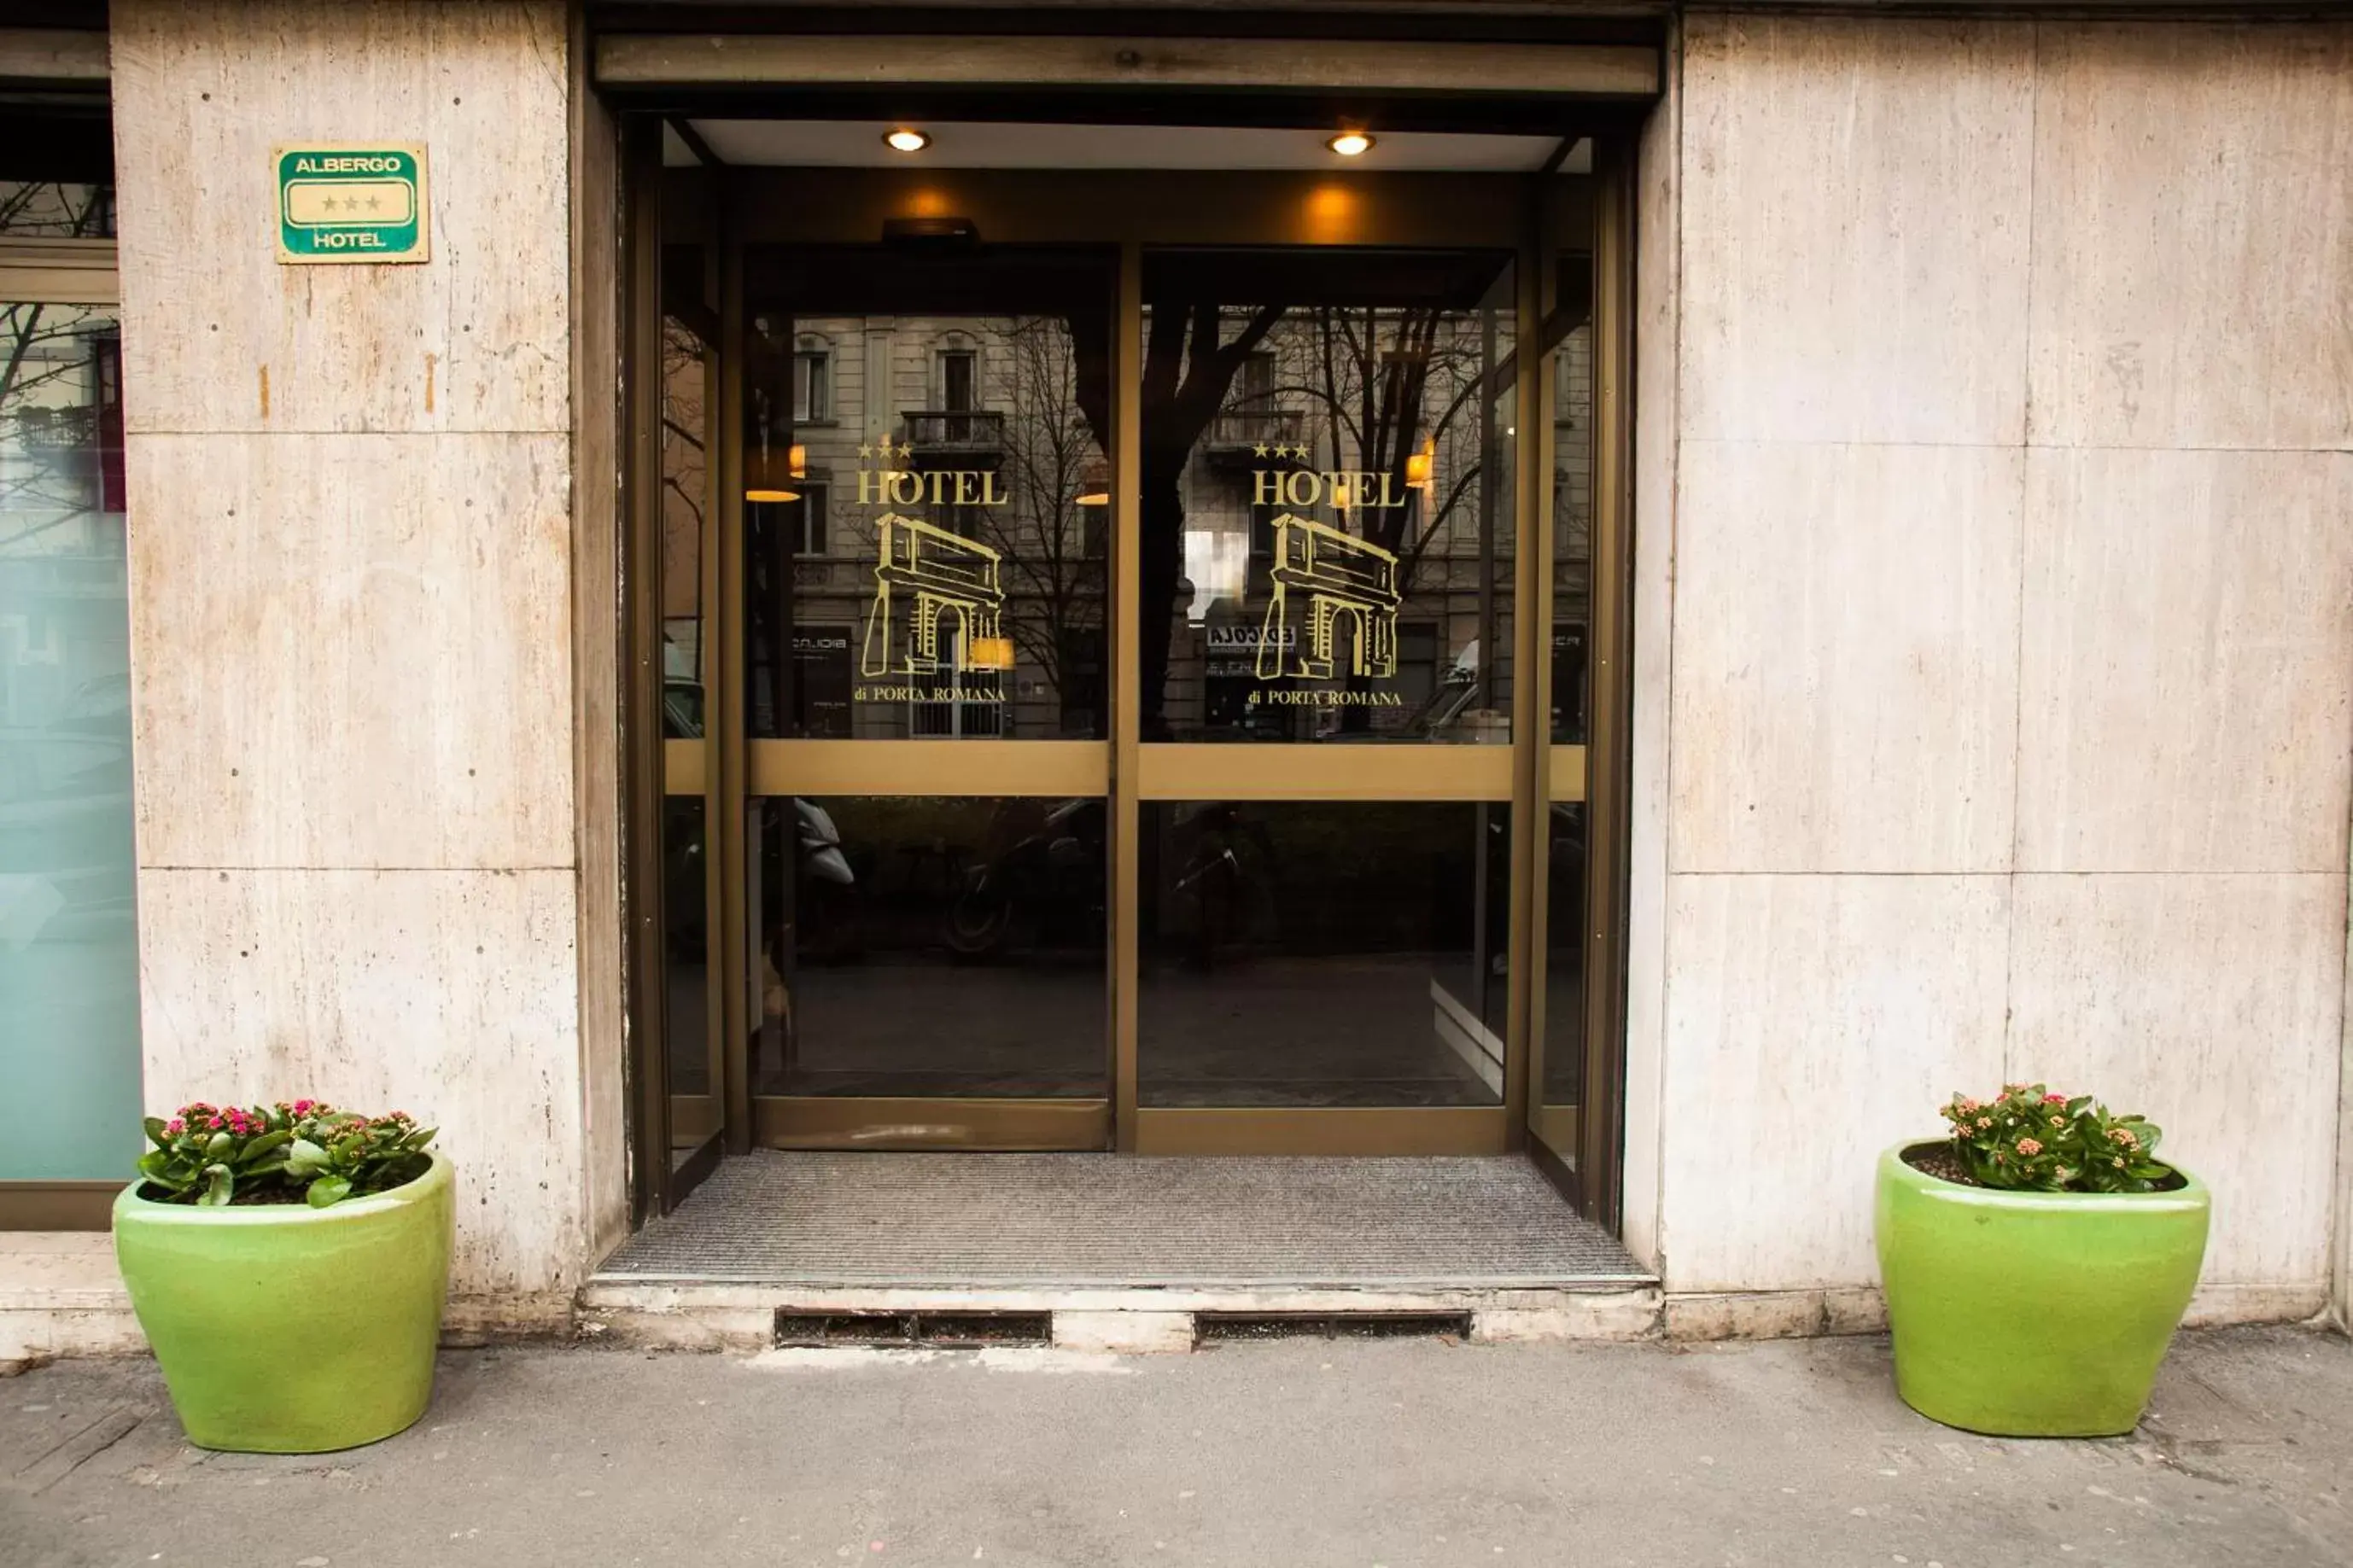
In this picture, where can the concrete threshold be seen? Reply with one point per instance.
(701, 1314)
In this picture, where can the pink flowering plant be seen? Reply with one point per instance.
(302, 1152)
(2028, 1138)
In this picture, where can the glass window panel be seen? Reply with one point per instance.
(1564, 1013)
(1328, 453)
(686, 509)
(689, 1042)
(1568, 329)
(929, 946)
(931, 561)
(69, 958)
(1323, 953)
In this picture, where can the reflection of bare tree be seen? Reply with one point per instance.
(52, 383)
(1056, 554)
(1384, 382)
(1188, 370)
(685, 470)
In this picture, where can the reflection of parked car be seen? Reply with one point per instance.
(682, 711)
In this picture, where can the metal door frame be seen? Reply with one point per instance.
(768, 205)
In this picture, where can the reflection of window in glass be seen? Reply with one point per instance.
(961, 519)
(810, 512)
(959, 380)
(813, 387)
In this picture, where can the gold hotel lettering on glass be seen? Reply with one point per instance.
(939, 597)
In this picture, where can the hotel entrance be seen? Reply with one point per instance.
(1131, 617)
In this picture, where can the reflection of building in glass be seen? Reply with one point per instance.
(1397, 422)
(942, 574)
(995, 396)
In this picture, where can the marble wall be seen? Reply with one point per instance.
(1997, 572)
(352, 597)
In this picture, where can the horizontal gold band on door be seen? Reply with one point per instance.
(882, 1122)
(684, 767)
(1324, 771)
(1293, 1129)
(1568, 773)
(1060, 769)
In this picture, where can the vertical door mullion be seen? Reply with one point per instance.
(1602, 940)
(1127, 648)
(728, 822)
(1531, 727)
(645, 787)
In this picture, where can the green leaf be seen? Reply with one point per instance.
(305, 1157)
(328, 1191)
(155, 1133)
(219, 1144)
(220, 1188)
(262, 1146)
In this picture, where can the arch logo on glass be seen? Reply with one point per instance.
(936, 617)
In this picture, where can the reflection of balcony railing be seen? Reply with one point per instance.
(954, 429)
(1270, 427)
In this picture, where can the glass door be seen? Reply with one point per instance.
(926, 572)
(1328, 680)
(1128, 623)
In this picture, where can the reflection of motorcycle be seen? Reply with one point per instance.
(1226, 885)
(827, 900)
(1043, 878)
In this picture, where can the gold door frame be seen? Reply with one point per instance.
(1504, 211)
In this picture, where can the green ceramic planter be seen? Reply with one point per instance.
(283, 1329)
(2032, 1314)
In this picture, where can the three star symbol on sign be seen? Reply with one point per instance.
(886, 451)
(1277, 449)
(353, 203)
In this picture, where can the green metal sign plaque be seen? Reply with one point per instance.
(351, 204)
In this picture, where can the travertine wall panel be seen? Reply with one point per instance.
(1657, 319)
(2188, 683)
(1855, 206)
(1846, 656)
(2193, 236)
(2124, 646)
(352, 651)
(1812, 1021)
(218, 336)
(2212, 1005)
(353, 612)
(442, 992)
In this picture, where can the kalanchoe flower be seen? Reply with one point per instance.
(2034, 1138)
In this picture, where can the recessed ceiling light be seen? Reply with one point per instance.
(1351, 143)
(906, 140)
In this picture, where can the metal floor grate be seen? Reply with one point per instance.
(1111, 1219)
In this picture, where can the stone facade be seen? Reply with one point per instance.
(1993, 619)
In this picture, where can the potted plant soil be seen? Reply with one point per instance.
(289, 1264)
(2036, 1263)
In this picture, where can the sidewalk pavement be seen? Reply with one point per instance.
(1297, 1453)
